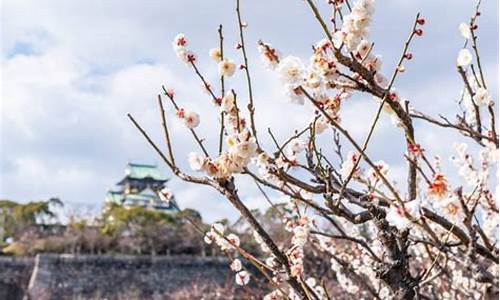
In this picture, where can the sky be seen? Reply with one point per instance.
(72, 70)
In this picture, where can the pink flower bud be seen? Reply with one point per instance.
(170, 93)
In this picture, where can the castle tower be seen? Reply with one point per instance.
(141, 187)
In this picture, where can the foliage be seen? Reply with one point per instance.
(19, 216)
(119, 229)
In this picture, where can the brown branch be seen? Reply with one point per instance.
(251, 108)
(477, 113)
(447, 124)
(355, 144)
(412, 188)
(223, 92)
(459, 233)
(193, 132)
(165, 131)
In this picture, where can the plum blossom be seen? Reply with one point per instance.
(242, 148)
(180, 48)
(215, 54)
(242, 278)
(381, 167)
(312, 80)
(295, 146)
(396, 216)
(236, 265)
(415, 150)
(294, 94)
(216, 234)
(464, 29)
(438, 187)
(452, 209)
(234, 240)
(320, 125)
(228, 103)
(355, 25)
(348, 165)
(274, 295)
(165, 195)
(291, 70)
(482, 97)
(300, 229)
(242, 145)
(363, 48)
(196, 161)
(464, 58)
(269, 55)
(374, 63)
(261, 242)
(227, 67)
(179, 43)
(191, 119)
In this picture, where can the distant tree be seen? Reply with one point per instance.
(19, 217)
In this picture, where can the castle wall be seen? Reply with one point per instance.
(56, 276)
(15, 273)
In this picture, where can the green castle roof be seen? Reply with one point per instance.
(142, 171)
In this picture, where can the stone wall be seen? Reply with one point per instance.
(15, 274)
(108, 277)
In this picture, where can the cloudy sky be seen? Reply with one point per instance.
(71, 70)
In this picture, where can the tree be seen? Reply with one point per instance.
(20, 217)
(423, 239)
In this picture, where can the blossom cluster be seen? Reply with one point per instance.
(229, 242)
(355, 26)
(300, 229)
(190, 118)
(242, 148)
(322, 72)
(475, 93)
(179, 45)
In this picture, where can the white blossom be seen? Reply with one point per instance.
(363, 48)
(482, 97)
(196, 161)
(396, 216)
(291, 70)
(294, 94)
(464, 58)
(348, 165)
(165, 194)
(464, 29)
(227, 67)
(215, 54)
(242, 278)
(236, 265)
(269, 55)
(234, 239)
(295, 146)
(191, 119)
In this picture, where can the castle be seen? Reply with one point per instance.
(143, 185)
